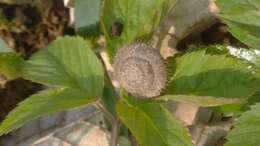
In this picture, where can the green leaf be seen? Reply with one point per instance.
(110, 96)
(151, 123)
(199, 73)
(236, 110)
(87, 15)
(11, 64)
(243, 18)
(250, 55)
(247, 129)
(203, 101)
(123, 141)
(67, 62)
(43, 103)
(124, 21)
(254, 99)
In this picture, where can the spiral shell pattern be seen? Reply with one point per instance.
(140, 70)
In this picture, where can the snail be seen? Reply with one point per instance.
(140, 70)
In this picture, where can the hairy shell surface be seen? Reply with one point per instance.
(140, 70)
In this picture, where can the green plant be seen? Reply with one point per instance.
(213, 76)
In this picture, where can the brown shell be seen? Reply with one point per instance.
(140, 70)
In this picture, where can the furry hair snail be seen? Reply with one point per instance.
(140, 70)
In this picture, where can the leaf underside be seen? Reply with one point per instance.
(202, 101)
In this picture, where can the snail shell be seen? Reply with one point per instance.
(140, 70)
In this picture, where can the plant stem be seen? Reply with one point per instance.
(112, 119)
(114, 122)
(107, 114)
(114, 134)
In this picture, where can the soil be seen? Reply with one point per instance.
(15, 92)
(30, 30)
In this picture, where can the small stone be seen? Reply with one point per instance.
(30, 129)
(7, 141)
(84, 134)
(213, 133)
(50, 121)
(76, 115)
(189, 114)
